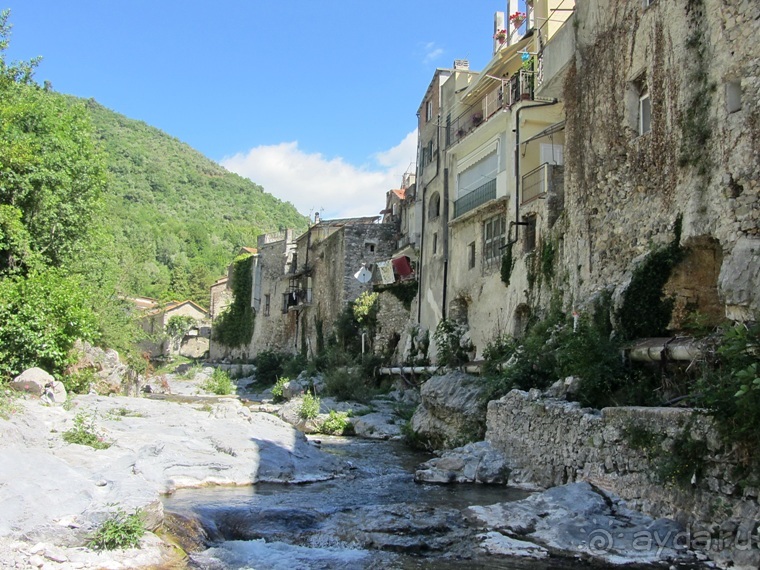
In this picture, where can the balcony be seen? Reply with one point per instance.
(505, 95)
(541, 181)
(473, 199)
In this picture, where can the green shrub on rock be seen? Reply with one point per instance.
(119, 531)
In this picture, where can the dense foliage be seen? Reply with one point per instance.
(234, 327)
(176, 217)
(52, 178)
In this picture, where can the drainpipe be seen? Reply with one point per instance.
(421, 264)
(445, 231)
(517, 223)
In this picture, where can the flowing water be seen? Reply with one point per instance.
(375, 517)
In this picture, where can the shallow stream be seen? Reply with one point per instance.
(375, 517)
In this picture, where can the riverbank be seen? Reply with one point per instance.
(55, 494)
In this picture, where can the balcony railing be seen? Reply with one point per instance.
(539, 182)
(517, 88)
(472, 200)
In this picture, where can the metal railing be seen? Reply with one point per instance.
(539, 181)
(519, 87)
(473, 199)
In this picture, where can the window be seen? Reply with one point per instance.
(552, 154)
(267, 305)
(369, 246)
(435, 242)
(529, 234)
(471, 256)
(429, 111)
(434, 207)
(494, 238)
(645, 111)
(733, 96)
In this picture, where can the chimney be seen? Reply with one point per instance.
(316, 218)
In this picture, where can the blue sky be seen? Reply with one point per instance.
(314, 100)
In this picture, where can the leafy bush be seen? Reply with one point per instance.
(337, 423)
(730, 389)
(220, 383)
(119, 531)
(344, 383)
(294, 364)
(309, 407)
(79, 382)
(278, 389)
(41, 316)
(85, 433)
(269, 365)
(366, 308)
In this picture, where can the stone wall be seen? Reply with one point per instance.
(631, 452)
(699, 62)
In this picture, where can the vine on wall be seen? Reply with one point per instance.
(234, 327)
(695, 123)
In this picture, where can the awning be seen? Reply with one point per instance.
(401, 267)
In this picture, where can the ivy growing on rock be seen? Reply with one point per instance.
(644, 311)
(234, 327)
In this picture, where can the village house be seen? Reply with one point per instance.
(193, 339)
(662, 109)
(490, 152)
(300, 285)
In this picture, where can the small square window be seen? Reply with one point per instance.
(369, 247)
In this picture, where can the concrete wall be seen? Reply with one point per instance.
(552, 442)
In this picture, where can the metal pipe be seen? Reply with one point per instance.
(664, 349)
(517, 223)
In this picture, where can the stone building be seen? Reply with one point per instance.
(597, 134)
(193, 344)
(300, 285)
(490, 180)
(662, 105)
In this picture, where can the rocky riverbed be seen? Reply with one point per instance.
(361, 501)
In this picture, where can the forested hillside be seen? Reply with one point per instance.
(177, 217)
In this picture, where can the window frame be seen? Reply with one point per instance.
(645, 104)
(494, 238)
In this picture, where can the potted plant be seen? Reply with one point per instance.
(500, 36)
(517, 19)
(477, 118)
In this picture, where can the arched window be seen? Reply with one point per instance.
(434, 206)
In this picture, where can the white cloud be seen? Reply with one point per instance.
(432, 52)
(332, 186)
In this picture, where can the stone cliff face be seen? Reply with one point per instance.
(697, 66)
(666, 462)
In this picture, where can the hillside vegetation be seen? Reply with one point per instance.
(95, 207)
(177, 218)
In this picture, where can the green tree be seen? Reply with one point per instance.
(41, 315)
